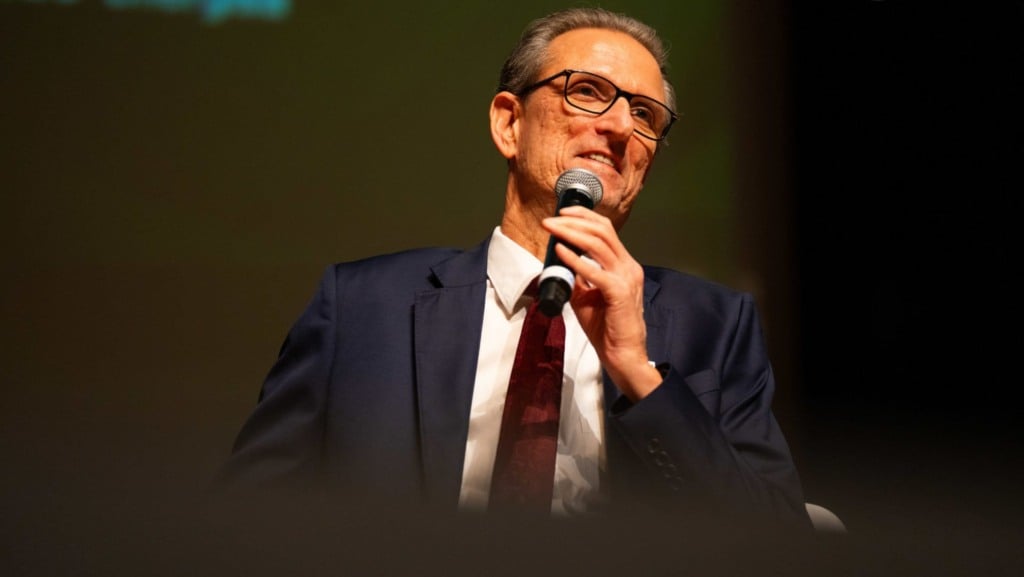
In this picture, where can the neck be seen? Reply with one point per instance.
(522, 217)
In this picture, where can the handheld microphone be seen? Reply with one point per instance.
(575, 187)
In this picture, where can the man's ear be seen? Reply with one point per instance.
(505, 111)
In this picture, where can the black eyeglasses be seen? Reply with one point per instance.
(596, 95)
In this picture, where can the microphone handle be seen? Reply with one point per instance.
(557, 280)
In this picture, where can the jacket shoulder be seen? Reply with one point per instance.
(407, 267)
(675, 287)
(426, 256)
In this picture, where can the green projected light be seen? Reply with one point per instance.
(210, 11)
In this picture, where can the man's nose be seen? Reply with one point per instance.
(618, 118)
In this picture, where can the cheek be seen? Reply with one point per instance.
(544, 135)
(640, 158)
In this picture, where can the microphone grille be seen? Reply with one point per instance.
(580, 179)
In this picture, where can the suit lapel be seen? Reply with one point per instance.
(447, 321)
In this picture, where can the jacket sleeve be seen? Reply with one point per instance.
(710, 434)
(282, 440)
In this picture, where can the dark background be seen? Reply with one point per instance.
(172, 191)
(907, 171)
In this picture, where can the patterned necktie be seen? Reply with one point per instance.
(524, 467)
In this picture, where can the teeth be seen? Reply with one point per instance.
(602, 158)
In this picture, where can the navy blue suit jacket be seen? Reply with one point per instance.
(373, 385)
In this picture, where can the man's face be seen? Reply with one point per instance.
(554, 137)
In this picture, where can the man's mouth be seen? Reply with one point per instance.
(600, 158)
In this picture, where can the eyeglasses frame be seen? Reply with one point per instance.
(619, 93)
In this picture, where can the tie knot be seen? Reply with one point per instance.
(532, 288)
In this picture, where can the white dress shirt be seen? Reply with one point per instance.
(580, 462)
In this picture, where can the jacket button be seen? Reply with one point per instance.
(661, 459)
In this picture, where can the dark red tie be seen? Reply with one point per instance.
(524, 468)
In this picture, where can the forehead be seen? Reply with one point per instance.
(615, 55)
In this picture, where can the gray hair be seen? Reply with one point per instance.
(523, 65)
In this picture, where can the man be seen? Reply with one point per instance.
(394, 380)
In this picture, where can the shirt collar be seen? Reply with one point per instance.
(510, 268)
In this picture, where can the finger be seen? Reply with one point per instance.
(602, 223)
(586, 269)
(599, 225)
(587, 218)
(583, 212)
(590, 240)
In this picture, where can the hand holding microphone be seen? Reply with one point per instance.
(575, 187)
